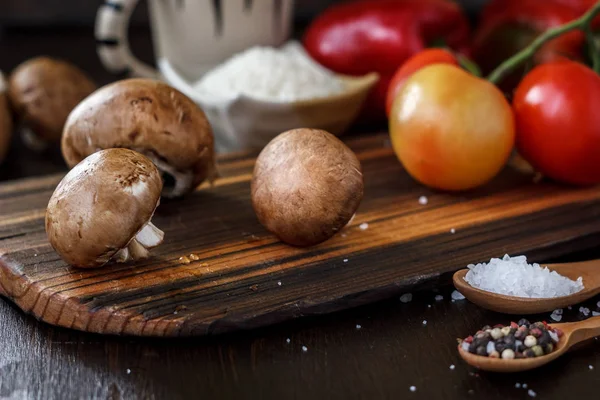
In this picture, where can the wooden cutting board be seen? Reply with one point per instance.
(219, 270)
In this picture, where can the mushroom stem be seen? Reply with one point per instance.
(149, 236)
(122, 255)
(137, 250)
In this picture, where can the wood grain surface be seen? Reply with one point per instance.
(219, 270)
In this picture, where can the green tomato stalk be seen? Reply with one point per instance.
(594, 48)
(582, 23)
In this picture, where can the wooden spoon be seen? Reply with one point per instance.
(588, 270)
(574, 332)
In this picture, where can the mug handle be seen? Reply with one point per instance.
(112, 43)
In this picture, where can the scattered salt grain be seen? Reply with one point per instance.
(413, 388)
(279, 283)
(358, 326)
(428, 305)
(557, 315)
(453, 231)
(364, 226)
(287, 340)
(456, 295)
(452, 367)
(423, 200)
(531, 393)
(304, 349)
(598, 304)
(128, 371)
(524, 386)
(584, 310)
(266, 73)
(406, 298)
(570, 308)
(513, 276)
(439, 297)
(595, 313)
(424, 322)
(518, 385)
(590, 366)
(345, 260)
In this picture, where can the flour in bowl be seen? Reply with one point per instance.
(270, 74)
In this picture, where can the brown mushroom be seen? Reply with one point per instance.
(306, 186)
(5, 120)
(43, 91)
(102, 209)
(149, 117)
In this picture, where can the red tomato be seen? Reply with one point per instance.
(558, 123)
(450, 129)
(359, 37)
(412, 65)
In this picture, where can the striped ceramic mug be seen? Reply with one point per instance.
(194, 35)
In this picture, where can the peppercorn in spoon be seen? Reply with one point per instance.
(572, 333)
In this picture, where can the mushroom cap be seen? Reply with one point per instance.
(100, 205)
(5, 120)
(306, 186)
(147, 116)
(43, 91)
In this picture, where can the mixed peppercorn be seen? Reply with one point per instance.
(518, 340)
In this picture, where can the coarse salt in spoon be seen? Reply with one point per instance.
(589, 271)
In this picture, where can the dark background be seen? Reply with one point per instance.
(36, 13)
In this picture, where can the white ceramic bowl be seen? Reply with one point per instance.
(243, 122)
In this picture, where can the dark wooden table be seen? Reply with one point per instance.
(373, 352)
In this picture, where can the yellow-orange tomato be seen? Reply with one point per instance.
(450, 129)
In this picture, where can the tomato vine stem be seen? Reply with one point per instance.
(582, 23)
(469, 65)
(594, 49)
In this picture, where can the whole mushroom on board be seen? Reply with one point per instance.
(102, 209)
(306, 186)
(149, 117)
(5, 120)
(43, 91)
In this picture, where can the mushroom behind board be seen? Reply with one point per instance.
(43, 91)
(5, 120)
(149, 117)
(102, 209)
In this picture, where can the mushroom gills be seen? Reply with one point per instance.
(178, 182)
(137, 248)
(168, 181)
